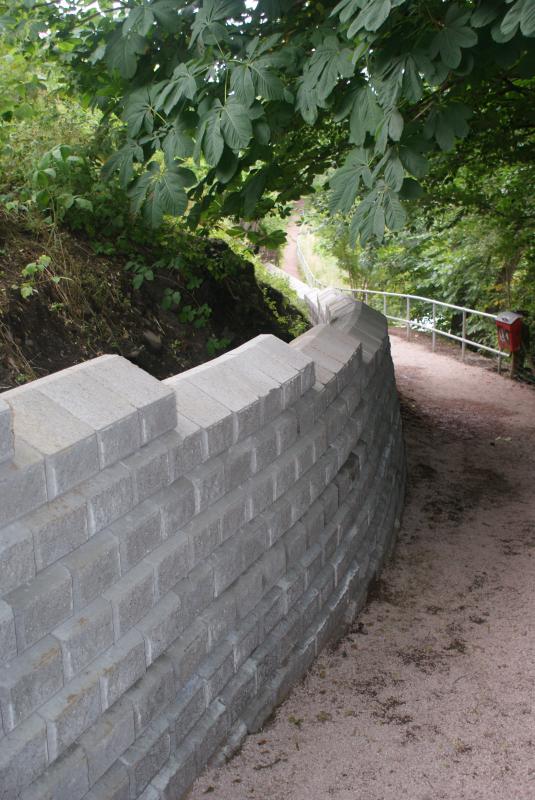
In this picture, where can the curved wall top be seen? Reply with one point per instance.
(173, 555)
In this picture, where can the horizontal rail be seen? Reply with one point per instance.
(407, 321)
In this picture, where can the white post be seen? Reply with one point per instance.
(408, 318)
(434, 327)
(463, 344)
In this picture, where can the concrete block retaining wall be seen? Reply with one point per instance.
(174, 555)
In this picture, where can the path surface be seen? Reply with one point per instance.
(431, 695)
(289, 260)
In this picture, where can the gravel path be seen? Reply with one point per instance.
(431, 695)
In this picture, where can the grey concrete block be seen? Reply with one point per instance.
(215, 419)
(131, 597)
(267, 388)
(318, 477)
(22, 483)
(286, 431)
(67, 445)
(144, 759)
(289, 377)
(210, 733)
(305, 411)
(153, 693)
(115, 421)
(70, 712)
(270, 610)
(121, 667)
(300, 498)
(264, 448)
(204, 534)
(177, 505)
(235, 510)
(208, 482)
(58, 528)
(108, 739)
(196, 592)
(186, 710)
(188, 651)
(217, 670)
(8, 641)
(227, 564)
(220, 381)
(220, 617)
(238, 464)
(170, 562)
(240, 691)
(314, 522)
(30, 680)
(39, 606)
(245, 639)
(93, 568)
(329, 501)
(304, 450)
(329, 539)
(295, 543)
(109, 496)
(325, 583)
(292, 586)
(23, 757)
(248, 590)
(261, 492)
(177, 776)
(6, 432)
(154, 401)
(161, 626)
(113, 785)
(85, 636)
(273, 564)
(289, 355)
(308, 607)
(284, 472)
(312, 562)
(187, 448)
(138, 533)
(150, 469)
(278, 518)
(150, 792)
(255, 542)
(17, 561)
(65, 780)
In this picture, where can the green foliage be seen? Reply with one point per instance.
(36, 274)
(264, 96)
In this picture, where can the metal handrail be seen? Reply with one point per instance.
(313, 281)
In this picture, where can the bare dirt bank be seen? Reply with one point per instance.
(431, 695)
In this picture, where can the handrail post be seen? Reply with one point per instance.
(408, 318)
(366, 297)
(434, 327)
(384, 304)
(463, 343)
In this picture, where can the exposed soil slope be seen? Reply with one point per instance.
(430, 696)
(93, 308)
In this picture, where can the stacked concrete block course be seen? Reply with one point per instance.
(174, 555)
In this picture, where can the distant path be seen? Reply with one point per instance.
(289, 261)
(431, 695)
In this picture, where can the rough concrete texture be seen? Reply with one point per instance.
(176, 555)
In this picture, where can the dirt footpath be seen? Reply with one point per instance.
(431, 696)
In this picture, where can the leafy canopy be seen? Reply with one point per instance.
(264, 94)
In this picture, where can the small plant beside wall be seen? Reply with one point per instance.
(37, 274)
